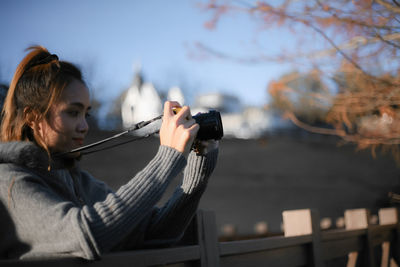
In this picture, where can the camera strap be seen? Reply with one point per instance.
(135, 127)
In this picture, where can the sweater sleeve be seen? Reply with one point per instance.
(112, 219)
(169, 222)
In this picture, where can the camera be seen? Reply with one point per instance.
(210, 125)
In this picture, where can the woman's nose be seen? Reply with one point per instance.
(83, 126)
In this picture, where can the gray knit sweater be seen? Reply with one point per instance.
(66, 212)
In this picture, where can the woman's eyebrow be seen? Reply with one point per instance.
(80, 105)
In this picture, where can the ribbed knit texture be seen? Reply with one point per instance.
(108, 219)
(66, 212)
(185, 199)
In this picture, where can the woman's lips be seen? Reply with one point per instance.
(78, 141)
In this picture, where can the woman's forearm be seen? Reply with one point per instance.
(169, 222)
(111, 219)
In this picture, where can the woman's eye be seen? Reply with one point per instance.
(73, 113)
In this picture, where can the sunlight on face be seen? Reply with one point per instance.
(66, 125)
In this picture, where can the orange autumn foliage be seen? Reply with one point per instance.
(360, 56)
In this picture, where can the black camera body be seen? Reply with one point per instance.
(210, 125)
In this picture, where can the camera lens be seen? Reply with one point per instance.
(210, 125)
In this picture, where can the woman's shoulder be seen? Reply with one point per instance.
(18, 178)
(22, 163)
(14, 169)
(17, 173)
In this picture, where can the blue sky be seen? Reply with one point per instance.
(106, 39)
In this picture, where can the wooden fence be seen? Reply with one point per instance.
(303, 244)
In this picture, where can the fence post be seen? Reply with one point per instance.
(208, 239)
(395, 248)
(305, 222)
(387, 216)
(356, 219)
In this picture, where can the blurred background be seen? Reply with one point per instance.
(307, 90)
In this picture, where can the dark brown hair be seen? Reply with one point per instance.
(37, 84)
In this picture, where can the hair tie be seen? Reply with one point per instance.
(45, 60)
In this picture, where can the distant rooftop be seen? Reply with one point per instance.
(224, 103)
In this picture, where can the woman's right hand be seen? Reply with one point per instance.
(178, 130)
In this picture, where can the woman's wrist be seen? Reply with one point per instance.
(201, 147)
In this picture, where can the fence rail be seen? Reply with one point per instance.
(365, 245)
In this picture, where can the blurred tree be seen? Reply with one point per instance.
(358, 49)
(305, 96)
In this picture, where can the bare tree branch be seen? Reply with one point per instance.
(396, 3)
(363, 39)
(388, 6)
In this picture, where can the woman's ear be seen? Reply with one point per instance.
(31, 118)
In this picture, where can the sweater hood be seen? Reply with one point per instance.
(25, 154)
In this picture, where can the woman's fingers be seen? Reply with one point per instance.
(169, 108)
(184, 114)
(189, 129)
(178, 130)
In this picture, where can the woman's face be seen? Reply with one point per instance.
(65, 127)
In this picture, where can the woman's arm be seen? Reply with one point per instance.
(140, 195)
(169, 222)
(114, 218)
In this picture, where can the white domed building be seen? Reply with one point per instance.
(141, 102)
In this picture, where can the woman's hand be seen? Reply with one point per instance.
(178, 130)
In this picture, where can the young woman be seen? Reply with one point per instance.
(49, 207)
